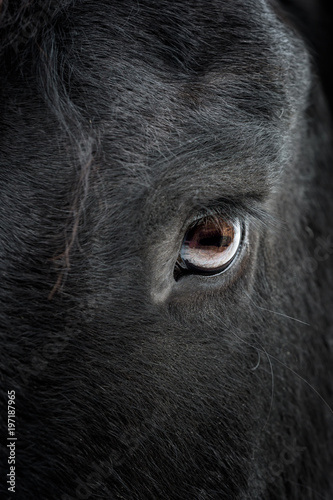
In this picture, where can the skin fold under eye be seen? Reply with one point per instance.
(209, 246)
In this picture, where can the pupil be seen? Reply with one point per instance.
(213, 240)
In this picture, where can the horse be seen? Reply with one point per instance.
(166, 249)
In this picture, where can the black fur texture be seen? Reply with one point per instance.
(121, 122)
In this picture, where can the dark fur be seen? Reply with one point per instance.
(119, 122)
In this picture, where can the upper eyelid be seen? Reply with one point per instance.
(230, 214)
(233, 211)
(211, 212)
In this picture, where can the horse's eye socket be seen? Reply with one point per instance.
(209, 246)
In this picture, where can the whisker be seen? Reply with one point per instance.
(272, 389)
(282, 314)
(305, 381)
(269, 357)
(276, 312)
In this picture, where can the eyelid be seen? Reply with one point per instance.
(249, 209)
(215, 212)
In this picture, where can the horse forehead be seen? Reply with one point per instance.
(224, 116)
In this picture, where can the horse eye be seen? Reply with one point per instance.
(209, 247)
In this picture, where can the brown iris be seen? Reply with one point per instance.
(210, 245)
